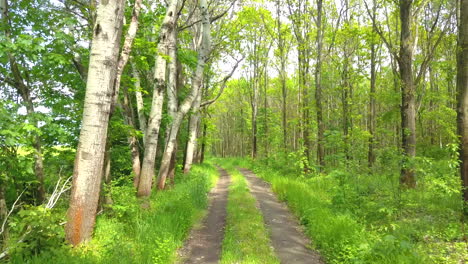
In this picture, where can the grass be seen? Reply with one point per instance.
(129, 234)
(354, 218)
(246, 239)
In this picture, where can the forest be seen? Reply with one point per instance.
(234, 131)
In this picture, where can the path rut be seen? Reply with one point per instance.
(204, 243)
(287, 238)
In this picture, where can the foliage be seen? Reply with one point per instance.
(362, 218)
(127, 233)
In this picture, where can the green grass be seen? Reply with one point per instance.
(246, 239)
(129, 234)
(354, 218)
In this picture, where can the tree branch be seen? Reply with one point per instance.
(224, 81)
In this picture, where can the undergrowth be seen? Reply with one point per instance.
(367, 218)
(126, 233)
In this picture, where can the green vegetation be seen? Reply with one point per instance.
(362, 218)
(354, 110)
(125, 233)
(246, 239)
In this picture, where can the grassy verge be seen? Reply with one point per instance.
(129, 234)
(361, 219)
(246, 239)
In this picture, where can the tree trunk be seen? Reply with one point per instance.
(172, 92)
(372, 110)
(203, 146)
(282, 74)
(154, 122)
(462, 87)
(129, 120)
(186, 105)
(123, 59)
(193, 131)
(139, 100)
(346, 104)
(318, 89)
(3, 215)
(89, 160)
(408, 110)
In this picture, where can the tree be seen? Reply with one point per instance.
(154, 121)
(462, 96)
(318, 87)
(197, 81)
(89, 159)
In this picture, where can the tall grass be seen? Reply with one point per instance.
(362, 218)
(127, 233)
(246, 238)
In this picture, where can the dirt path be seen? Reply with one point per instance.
(204, 243)
(287, 239)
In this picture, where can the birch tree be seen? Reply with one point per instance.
(203, 55)
(154, 121)
(89, 159)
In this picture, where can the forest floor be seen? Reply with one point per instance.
(287, 237)
(204, 244)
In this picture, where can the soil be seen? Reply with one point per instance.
(204, 243)
(288, 240)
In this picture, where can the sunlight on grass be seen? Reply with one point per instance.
(246, 238)
(128, 234)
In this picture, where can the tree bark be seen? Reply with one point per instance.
(154, 122)
(408, 109)
(139, 100)
(193, 131)
(372, 110)
(203, 146)
(318, 88)
(187, 103)
(172, 92)
(123, 59)
(283, 73)
(462, 98)
(89, 159)
(129, 120)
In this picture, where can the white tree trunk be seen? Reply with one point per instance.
(89, 159)
(186, 105)
(154, 122)
(139, 100)
(193, 132)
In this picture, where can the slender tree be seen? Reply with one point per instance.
(203, 56)
(462, 87)
(154, 121)
(318, 86)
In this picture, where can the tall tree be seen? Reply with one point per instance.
(462, 96)
(203, 56)
(154, 121)
(408, 103)
(318, 86)
(89, 159)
